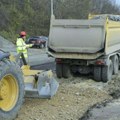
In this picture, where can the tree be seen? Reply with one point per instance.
(33, 16)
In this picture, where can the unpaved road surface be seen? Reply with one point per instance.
(74, 97)
(72, 100)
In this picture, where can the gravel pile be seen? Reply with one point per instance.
(74, 97)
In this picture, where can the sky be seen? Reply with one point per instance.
(118, 2)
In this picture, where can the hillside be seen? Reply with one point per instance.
(33, 16)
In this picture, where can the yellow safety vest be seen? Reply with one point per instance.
(22, 47)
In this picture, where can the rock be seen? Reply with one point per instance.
(62, 98)
(77, 94)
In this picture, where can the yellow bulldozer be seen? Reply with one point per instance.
(16, 81)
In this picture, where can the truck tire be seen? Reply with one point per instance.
(97, 73)
(107, 72)
(59, 70)
(41, 46)
(11, 89)
(66, 71)
(115, 65)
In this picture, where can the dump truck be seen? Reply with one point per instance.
(15, 82)
(87, 46)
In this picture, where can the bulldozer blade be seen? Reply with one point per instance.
(47, 85)
(30, 90)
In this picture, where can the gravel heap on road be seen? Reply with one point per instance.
(113, 86)
(74, 97)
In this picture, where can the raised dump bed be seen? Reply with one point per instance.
(86, 46)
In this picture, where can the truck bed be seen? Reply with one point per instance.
(81, 36)
(84, 37)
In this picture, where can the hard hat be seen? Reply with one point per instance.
(23, 33)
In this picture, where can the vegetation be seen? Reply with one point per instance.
(33, 16)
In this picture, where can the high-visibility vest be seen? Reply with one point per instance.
(22, 47)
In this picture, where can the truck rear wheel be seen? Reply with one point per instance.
(11, 89)
(41, 46)
(97, 73)
(107, 72)
(59, 70)
(66, 71)
(115, 64)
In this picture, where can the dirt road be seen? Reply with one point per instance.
(74, 97)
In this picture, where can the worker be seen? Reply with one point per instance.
(22, 46)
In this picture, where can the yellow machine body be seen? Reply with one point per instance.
(8, 92)
(39, 83)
